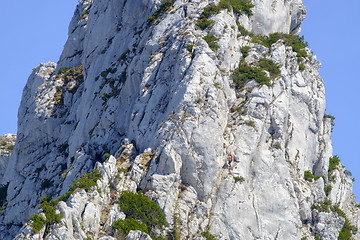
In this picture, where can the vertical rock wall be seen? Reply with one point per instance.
(126, 88)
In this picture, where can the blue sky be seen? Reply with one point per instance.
(36, 31)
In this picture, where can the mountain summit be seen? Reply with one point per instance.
(157, 125)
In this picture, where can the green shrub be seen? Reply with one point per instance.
(209, 11)
(276, 145)
(204, 23)
(270, 66)
(50, 216)
(124, 170)
(347, 230)
(63, 70)
(190, 47)
(239, 110)
(334, 163)
(327, 189)
(301, 67)
(245, 51)
(208, 236)
(297, 43)
(238, 6)
(87, 181)
(130, 224)
(245, 73)
(243, 30)
(106, 156)
(37, 222)
(250, 123)
(308, 176)
(212, 42)
(140, 208)
(323, 207)
(67, 74)
(239, 179)
(332, 118)
(49, 211)
(164, 7)
(58, 97)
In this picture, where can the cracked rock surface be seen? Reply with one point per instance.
(155, 108)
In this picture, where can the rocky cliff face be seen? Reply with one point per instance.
(157, 104)
(7, 143)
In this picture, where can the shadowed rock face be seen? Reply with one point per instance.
(151, 107)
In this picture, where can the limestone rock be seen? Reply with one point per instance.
(7, 143)
(156, 107)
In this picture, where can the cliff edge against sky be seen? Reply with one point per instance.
(144, 98)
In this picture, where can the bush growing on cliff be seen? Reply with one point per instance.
(309, 176)
(296, 42)
(212, 42)
(238, 6)
(130, 224)
(332, 119)
(138, 207)
(245, 51)
(51, 217)
(37, 222)
(270, 66)
(347, 230)
(87, 181)
(209, 11)
(164, 7)
(245, 73)
(208, 236)
(334, 163)
(204, 23)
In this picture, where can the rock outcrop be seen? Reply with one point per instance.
(158, 104)
(7, 143)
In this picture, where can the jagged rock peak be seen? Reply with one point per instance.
(159, 104)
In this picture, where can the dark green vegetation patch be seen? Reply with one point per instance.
(164, 7)
(245, 73)
(87, 181)
(297, 43)
(212, 42)
(238, 6)
(309, 176)
(204, 23)
(51, 217)
(208, 236)
(141, 213)
(130, 224)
